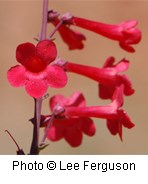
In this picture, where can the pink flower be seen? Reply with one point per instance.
(108, 77)
(70, 128)
(116, 117)
(125, 32)
(35, 73)
(72, 38)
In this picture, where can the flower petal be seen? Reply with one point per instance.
(16, 76)
(36, 87)
(112, 126)
(55, 133)
(126, 46)
(88, 126)
(46, 51)
(122, 65)
(25, 52)
(128, 90)
(77, 99)
(105, 92)
(128, 24)
(56, 77)
(57, 99)
(115, 125)
(73, 136)
(125, 120)
(109, 62)
(72, 38)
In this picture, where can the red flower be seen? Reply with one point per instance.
(35, 73)
(70, 128)
(116, 117)
(125, 32)
(73, 39)
(106, 91)
(108, 77)
(115, 125)
(105, 112)
(122, 119)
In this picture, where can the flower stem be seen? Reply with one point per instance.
(34, 150)
(56, 28)
(44, 20)
(35, 140)
(47, 129)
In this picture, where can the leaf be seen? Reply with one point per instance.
(42, 146)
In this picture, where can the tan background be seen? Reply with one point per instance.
(20, 21)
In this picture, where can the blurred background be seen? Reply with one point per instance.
(20, 21)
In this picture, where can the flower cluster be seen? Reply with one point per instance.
(39, 68)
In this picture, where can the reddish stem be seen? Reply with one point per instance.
(47, 129)
(38, 102)
(44, 20)
(36, 126)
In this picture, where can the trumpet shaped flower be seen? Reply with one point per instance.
(126, 32)
(107, 77)
(69, 128)
(35, 73)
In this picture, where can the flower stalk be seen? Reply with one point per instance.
(36, 126)
(47, 129)
(38, 102)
